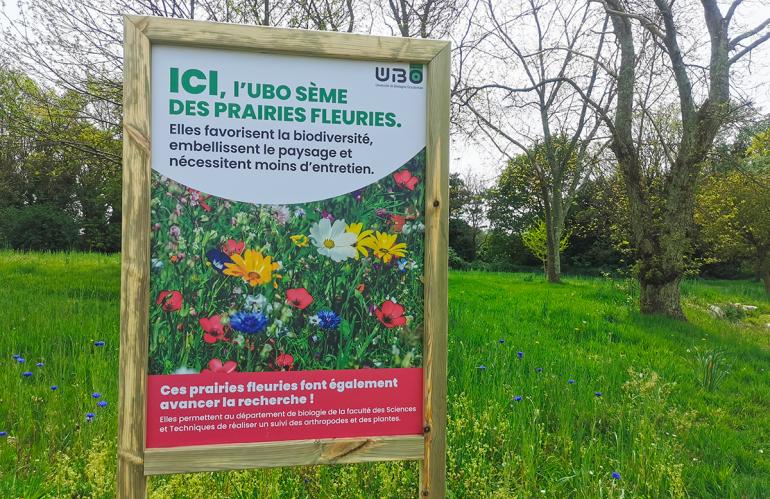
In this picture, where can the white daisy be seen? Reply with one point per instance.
(332, 240)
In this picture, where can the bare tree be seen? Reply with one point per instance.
(522, 105)
(661, 200)
(422, 18)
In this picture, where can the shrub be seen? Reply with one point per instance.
(456, 261)
(38, 228)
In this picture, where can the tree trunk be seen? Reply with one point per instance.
(766, 280)
(661, 298)
(552, 246)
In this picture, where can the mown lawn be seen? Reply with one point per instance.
(511, 335)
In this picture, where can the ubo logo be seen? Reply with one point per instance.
(398, 75)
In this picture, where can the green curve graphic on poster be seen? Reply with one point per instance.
(331, 284)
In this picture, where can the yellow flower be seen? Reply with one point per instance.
(252, 267)
(385, 246)
(300, 240)
(364, 239)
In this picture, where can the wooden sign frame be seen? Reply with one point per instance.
(135, 462)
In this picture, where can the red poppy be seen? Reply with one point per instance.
(285, 361)
(361, 287)
(216, 366)
(170, 301)
(204, 204)
(213, 329)
(232, 247)
(398, 222)
(390, 314)
(405, 179)
(200, 198)
(299, 298)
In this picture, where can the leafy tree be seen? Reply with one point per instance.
(467, 208)
(536, 240)
(734, 210)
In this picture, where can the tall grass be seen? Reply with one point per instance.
(517, 425)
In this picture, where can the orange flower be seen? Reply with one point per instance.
(252, 267)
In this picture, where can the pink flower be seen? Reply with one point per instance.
(216, 366)
(213, 329)
(405, 180)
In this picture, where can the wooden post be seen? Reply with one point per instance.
(135, 269)
(433, 475)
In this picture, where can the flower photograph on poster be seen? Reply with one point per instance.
(331, 284)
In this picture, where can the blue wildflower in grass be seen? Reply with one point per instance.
(402, 263)
(249, 322)
(98, 343)
(54, 388)
(39, 364)
(615, 475)
(598, 394)
(102, 403)
(21, 360)
(571, 381)
(328, 320)
(26, 374)
(520, 355)
(96, 395)
(218, 258)
(3, 433)
(482, 367)
(538, 369)
(16, 356)
(501, 341)
(90, 416)
(517, 398)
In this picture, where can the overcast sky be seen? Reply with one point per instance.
(483, 160)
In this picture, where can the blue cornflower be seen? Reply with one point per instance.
(54, 388)
(538, 369)
(16, 356)
(517, 398)
(21, 360)
(616, 475)
(102, 403)
(26, 374)
(98, 343)
(571, 381)
(520, 355)
(482, 367)
(402, 263)
(249, 322)
(598, 394)
(501, 341)
(3, 433)
(90, 416)
(328, 320)
(96, 395)
(39, 364)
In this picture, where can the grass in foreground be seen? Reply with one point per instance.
(638, 404)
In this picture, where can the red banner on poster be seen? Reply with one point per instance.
(216, 408)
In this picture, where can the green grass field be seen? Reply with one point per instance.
(657, 422)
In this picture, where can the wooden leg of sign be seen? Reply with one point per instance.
(433, 475)
(135, 271)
